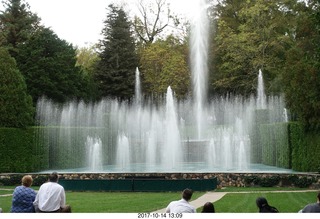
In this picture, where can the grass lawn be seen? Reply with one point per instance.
(285, 202)
(112, 202)
(238, 200)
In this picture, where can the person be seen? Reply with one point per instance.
(182, 205)
(23, 197)
(208, 207)
(51, 197)
(314, 207)
(264, 207)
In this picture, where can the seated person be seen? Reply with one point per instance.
(23, 197)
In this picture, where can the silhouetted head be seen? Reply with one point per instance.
(187, 194)
(208, 208)
(27, 180)
(53, 177)
(264, 206)
(318, 196)
(262, 202)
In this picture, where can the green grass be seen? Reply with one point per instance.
(257, 189)
(113, 202)
(239, 200)
(285, 202)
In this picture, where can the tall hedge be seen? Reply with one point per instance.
(18, 151)
(261, 117)
(305, 148)
(276, 150)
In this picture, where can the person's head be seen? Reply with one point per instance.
(261, 202)
(208, 208)
(27, 180)
(53, 177)
(318, 196)
(187, 194)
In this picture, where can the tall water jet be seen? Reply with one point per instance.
(261, 96)
(137, 91)
(95, 158)
(172, 156)
(199, 59)
(123, 152)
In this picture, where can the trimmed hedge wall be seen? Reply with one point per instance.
(276, 150)
(18, 150)
(305, 148)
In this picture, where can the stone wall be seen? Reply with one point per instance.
(224, 179)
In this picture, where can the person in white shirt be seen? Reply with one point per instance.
(51, 197)
(182, 206)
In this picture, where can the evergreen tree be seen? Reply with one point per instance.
(49, 66)
(16, 108)
(118, 60)
(17, 24)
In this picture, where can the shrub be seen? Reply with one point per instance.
(39, 180)
(304, 182)
(269, 181)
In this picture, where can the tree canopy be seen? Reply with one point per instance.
(17, 23)
(16, 108)
(115, 73)
(48, 64)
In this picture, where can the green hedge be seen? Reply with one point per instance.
(261, 117)
(19, 150)
(305, 148)
(276, 150)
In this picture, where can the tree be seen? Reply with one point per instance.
(17, 24)
(301, 77)
(48, 65)
(252, 35)
(163, 64)
(151, 23)
(87, 60)
(16, 108)
(115, 73)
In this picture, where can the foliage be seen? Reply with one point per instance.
(17, 24)
(301, 77)
(16, 108)
(304, 182)
(18, 151)
(163, 64)
(305, 148)
(276, 150)
(39, 180)
(264, 181)
(115, 73)
(251, 35)
(87, 60)
(280, 180)
(48, 65)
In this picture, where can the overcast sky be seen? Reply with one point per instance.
(81, 21)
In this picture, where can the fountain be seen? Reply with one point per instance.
(196, 135)
(94, 147)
